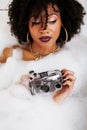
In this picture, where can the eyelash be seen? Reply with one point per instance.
(54, 21)
(37, 23)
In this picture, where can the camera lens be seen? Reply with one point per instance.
(45, 88)
(58, 86)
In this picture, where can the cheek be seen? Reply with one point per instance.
(56, 28)
(56, 31)
(32, 31)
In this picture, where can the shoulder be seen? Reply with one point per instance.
(26, 53)
(7, 52)
(15, 51)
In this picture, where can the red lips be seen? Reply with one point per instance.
(45, 38)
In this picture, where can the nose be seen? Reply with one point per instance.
(44, 30)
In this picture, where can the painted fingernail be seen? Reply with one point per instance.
(62, 73)
(63, 81)
(31, 78)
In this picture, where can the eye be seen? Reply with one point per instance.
(52, 20)
(37, 22)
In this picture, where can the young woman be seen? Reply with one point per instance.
(42, 27)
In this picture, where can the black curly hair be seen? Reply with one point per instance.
(20, 12)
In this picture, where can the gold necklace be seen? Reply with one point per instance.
(38, 56)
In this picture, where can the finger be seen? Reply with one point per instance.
(69, 83)
(65, 71)
(69, 77)
(25, 76)
(59, 96)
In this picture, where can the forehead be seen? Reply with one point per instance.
(51, 9)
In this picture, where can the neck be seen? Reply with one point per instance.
(44, 50)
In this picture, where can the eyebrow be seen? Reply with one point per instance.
(55, 13)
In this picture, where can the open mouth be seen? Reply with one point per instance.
(45, 38)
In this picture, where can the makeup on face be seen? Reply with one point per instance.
(45, 39)
(51, 19)
(46, 27)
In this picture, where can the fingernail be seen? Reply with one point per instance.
(31, 78)
(63, 81)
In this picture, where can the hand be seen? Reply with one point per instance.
(68, 84)
(24, 80)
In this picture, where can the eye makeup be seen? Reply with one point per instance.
(52, 18)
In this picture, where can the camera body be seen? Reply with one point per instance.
(48, 81)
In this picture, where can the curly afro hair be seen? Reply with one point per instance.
(20, 12)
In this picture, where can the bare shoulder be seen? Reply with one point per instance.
(7, 52)
(26, 53)
(15, 46)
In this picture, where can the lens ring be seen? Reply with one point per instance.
(58, 85)
(45, 88)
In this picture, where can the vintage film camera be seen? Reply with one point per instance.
(48, 81)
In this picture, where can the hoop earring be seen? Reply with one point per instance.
(66, 33)
(28, 37)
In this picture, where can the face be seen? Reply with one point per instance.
(46, 36)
